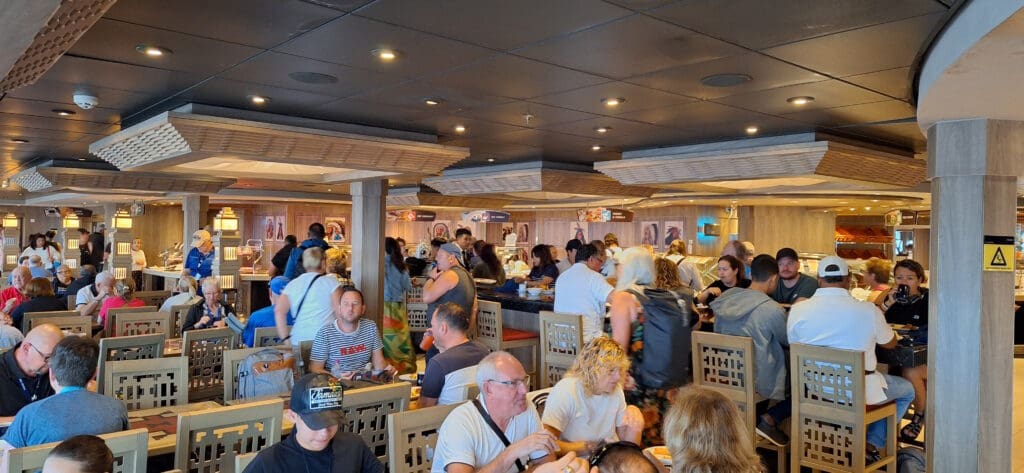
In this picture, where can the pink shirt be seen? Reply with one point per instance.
(114, 303)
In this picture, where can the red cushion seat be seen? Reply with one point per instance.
(512, 334)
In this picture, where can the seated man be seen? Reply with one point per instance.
(793, 285)
(90, 299)
(86, 277)
(265, 317)
(73, 410)
(80, 454)
(316, 444)
(344, 346)
(35, 266)
(11, 297)
(833, 318)
(23, 370)
(467, 442)
(749, 312)
(452, 371)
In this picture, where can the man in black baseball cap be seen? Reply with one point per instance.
(794, 286)
(315, 444)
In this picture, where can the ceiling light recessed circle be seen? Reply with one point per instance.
(725, 80)
(307, 77)
(259, 99)
(752, 130)
(801, 100)
(63, 112)
(385, 54)
(460, 128)
(603, 129)
(152, 51)
(433, 101)
(595, 148)
(612, 101)
(490, 160)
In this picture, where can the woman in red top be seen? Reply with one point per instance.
(123, 296)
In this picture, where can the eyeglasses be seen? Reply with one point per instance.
(595, 459)
(46, 358)
(515, 383)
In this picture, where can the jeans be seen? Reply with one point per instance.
(781, 411)
(899, 390)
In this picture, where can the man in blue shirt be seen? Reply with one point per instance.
(265, 317)
(199, 262)
(315, 239)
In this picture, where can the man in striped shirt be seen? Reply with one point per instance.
(348, 343)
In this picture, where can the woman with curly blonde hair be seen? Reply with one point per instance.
(588, 407)
(666, 275)
(706, 434)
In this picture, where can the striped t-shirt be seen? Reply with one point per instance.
(340, 351)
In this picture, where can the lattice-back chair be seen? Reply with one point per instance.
(72, 301)
(496, 336)
(209, 440)
(111, 321)
(27, 321)
(153, 298)
(179, 312)
(129, 449)
(416, 309)
(539, 399)
(145, 384)
(725, 363)
(204, 350)
(561, 339)
(266, 337)
(144, 323)
(243, 460)
(367, 410)
(137, 347)
(69, 324)
(830, 415)
(412, 436)
(305, 350)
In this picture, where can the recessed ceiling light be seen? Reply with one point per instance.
(603, 129)
(595, 148)
(725, 80)
(874, 200)
(259, 99)
(312, 77)
(691, 200)
(330, 190)
(63, 112)
(19, 141)
(612, 101)
(433, 101)
(867, 208)
(852, 209)
(385, 54)
(81, 159)
(751, 130)
(460, 128)
(490, 160)
(802, 100)
(152, 51)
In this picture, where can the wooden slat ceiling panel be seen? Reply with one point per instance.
(534, 180)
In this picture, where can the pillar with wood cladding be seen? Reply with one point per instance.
(194, 208)
(974, 166)
(368, 218)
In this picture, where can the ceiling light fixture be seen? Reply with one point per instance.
(725, 80)
(81, 159)
(490, 160)
(312, 77)
(5, 183)
(799, 101)
(152, 51)
(63, 112)
(259, 99)
(612, 101)
(595, 148)
(433, 102)
(385, 54)
(603, 129)
(751, 130)
(19, 141)
(460, 128)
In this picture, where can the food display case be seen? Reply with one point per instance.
(250, 257)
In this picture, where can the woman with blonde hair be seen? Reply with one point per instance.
(187, 288)
(337, 263)
(666, 276)
(706, 434)
(876, 278)
(588, 407)
(688, 272)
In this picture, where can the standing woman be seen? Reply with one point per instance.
(397, 341)
(138, 262)
(688, 272)
(39, 246)
(907, 304)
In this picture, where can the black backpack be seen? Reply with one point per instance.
(665, 360)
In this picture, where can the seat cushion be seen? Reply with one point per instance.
(512, 334)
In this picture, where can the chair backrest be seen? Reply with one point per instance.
(209, 440)
(412, 436)
(27, 319)
(137, 347)
(154, 298)
(266, 337)
(129, 449)
(233, 358)
(144, 323)
(111, 321)
(305, 348)
(539, 398)
(204, 350)
(488, 322)
(243, 460)
(366, 412)
(145, 384)
(179, 312)
(416, 309)
(72, 301)
(561, 338)
(725, 364)
(73, 324)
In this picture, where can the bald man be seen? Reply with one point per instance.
(24, 368)
(14, 295)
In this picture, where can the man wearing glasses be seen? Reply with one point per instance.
(23, 370)
(500, 431)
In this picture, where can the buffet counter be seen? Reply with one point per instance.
(520, 312)
(253, 288)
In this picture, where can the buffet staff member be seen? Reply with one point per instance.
(199, 263)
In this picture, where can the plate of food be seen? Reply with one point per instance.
(409, 378)
(661, 453)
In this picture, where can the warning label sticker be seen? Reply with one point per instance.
(998, 253)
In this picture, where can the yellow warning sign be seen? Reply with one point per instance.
(998, 253)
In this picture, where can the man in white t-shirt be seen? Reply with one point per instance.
(833, 318)
(314, 292)
(89, 298)
(465, 441)
(583, 290)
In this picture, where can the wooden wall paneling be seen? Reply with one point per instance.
(774, 227)
(161, 227)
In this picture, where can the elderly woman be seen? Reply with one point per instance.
(123, 296)
(210, 313)
(588, 407)
(705, 432)
(187, 288)
(876, 278)
(41, 299)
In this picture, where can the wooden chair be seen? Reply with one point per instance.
(153, 298)
(26, 320)
(305, 348)
(144, 323)
(204, 350)
(725, 364)
(243, 460)
(179, 312)
(209, 440)
(266, 337)
(73, 324)
(539, 399)
(493, 334)
(412, 436)
(561, 338)
(138, 347)
(129, 449)
(145, 384)
(367, 410)
(830, 415)
(416, 309)
(111, 321)
(72, 301)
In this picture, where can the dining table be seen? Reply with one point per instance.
(162, 424)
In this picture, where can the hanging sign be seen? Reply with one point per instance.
(411, 216)
(491, 216)
(604, 215)
(998, 253)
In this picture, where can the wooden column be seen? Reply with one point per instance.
(973, 166)
(368, 217)
(194, 207)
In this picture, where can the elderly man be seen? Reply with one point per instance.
(90, 298)
(35, 266)
(454, 369)
(14, 295)
(23, 370)
(470, 439)
(449, 282)
(583, 290)
(72, 367)
(200, 259)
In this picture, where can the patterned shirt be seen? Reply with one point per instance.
(340, 351)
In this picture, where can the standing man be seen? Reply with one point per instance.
(464, 238)
(91, 247)
(571, 247)
(794, 286)
(23, 370)
(451, 372)
(583, 290)
(200, 259)
(449, 282)
(314, 239)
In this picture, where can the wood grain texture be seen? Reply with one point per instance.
(773, 228)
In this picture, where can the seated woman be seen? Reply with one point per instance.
(61, 281)
(876, 278)
(346, 345)
(489, 266)
(907, 304)
(730, 274)
(123, 296)
(210, 312)
(544, 271)
(186, 295)
(588, 407)
(41, 299)
(80, 454)
(705, 432)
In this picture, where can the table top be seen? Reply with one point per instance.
(167, 273)
(162, 424)
(513, 301)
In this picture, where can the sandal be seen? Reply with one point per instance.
(911, 431)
